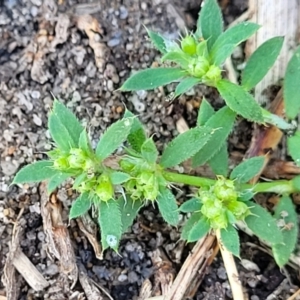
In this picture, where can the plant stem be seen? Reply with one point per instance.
(277, 121)
(276, 186)
(231, 270)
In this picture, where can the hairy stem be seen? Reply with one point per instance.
(276, 186)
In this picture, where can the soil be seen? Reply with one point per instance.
(81, 52)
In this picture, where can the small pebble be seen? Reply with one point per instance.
(123, 12)
(222, 273)
(76, 97)
(132, 277)
(113, 42)
(37, 120)
(35, 94)
(122, 278)
(34, 11)
(51, 270)
(41, 236)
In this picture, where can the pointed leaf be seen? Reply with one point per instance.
(150, 79)
(205, 112)
(190, 223)
(168, 207)
(191, 205)
(185, 85)
(119, 177)
(240, 101)
(248, 169)
(293, 145)
(129, 211)
(57, 180)
(219, 162)
(230, 240)
(260, 62)
(35, 172)
(287, 221)
(137, 135)
(60, 134)
(157, 40)
(178, 57)
(68, 120)
(199, 230)
(210, 22)
(263, 224)
(222, 121)
(149, 151)
(185, 146)
(80, 206)
(84, 142)
(110, 222)
(291, 86)
(114, 136)
(227, 41)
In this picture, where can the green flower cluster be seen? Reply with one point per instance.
(199, 65)
(145, 179)
(91, 176)
(221, 204)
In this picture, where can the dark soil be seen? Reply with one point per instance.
(37, 59)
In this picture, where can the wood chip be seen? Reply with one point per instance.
(57, 236)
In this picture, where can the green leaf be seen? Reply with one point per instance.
(129, 211)
(222, 122)
(227, 41)
(263, 224)
(119, 177)
(60, 134)
(260, 62)
(168, 207)
(248, 169)
(114, 136)
(84, 142)
(157, 40)
(36, 172)
(199, 230)
(287, 221)
(219, 162)
(230, 240)
(210, 22)
(57, 180)
(150, 79)
(293, 145)
(149, 151)
(240, 101)
(291, 86)
(110, 222)
(137, 135)
(79, 179)
(191, 205)
(190, 223)
(68, 120)
(205, 112)
(178, 57)
(80, 206)
(185, 146)
(185, 85)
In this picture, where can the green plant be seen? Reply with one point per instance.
(118, 186)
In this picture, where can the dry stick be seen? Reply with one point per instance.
(231, 270)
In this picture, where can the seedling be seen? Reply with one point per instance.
(118, 186)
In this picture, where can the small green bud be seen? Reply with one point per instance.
(225, 190)
(105, 189)
(188, 45)
(220, 221)
(126, 165)
(212, 208)
(239, 209)
(61, 163)
(213, 74)
(77, 159)
(198, 67)
(202, 49)
(145, 178)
